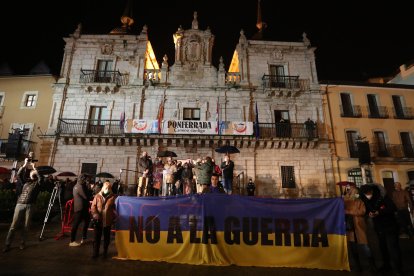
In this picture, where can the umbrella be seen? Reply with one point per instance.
(227, 149)
(66, 174)
(104, 175)
(42, 170)
(346, 183)
(4, 170)
(166, 153)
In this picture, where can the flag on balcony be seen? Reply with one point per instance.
(122, 120)
(256, 124)
(160, 116)
(218, 130)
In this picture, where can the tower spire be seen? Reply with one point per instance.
(126, 20)
(259, 23)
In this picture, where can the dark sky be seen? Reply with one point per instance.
(355, 40)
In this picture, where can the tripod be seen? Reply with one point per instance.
(55, 192)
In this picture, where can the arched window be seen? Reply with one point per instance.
(355, 175)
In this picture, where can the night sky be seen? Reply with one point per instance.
(354, 41)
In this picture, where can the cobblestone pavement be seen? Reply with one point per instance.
(55, 257)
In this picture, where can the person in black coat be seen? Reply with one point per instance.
(227, 169)
(381, 210)
(80, 210)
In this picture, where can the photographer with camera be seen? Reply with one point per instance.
(381, 210)
(24, 204)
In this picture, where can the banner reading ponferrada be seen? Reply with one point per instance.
(219, 229)
(188, 127)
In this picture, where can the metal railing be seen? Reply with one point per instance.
(287, 82)
(93, 127)
(351, 111)
(233, 78)
(101, 76)
(379, 112)
(405, 113)
(286, 130)
(113, 127)
(26, 147)
(239, 187)
(392, 150)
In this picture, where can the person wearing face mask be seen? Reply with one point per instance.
(104, 213)
(381, 210)
(356, 230)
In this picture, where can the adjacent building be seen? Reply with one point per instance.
(380, 114)
(25, 104)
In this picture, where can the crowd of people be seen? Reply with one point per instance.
(373, 217)
(182, 177)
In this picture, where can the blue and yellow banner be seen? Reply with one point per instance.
(218, 229)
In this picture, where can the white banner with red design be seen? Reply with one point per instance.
(188, 127)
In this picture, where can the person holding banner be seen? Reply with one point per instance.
(214, 188)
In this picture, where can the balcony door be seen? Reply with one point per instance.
(398, 106)
(407, 145)
(97, 117)
(373, 106)
(104, 71)
(351, 138)
(282, 123)
(347, 109)
(277, 76)
(379, 137)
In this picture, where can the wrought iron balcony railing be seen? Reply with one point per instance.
(287, 82)
(379, 112)
(392, 150)
(113, 127)
(352, 111)
(405, 113)
(100, 76)
(26, 147)
(95, 127)
(286, 131)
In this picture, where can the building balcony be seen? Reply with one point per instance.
(152, 76)
(233, 78)
(404, 113)
(103, 77)
(379, 112)
(279, 135)
(392, 151)
(351, 111)
(26, 147)
(286, 131)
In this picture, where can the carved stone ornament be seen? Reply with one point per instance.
(277, 54)
(107, 49)
(193, 49)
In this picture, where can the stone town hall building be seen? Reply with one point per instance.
(191, 107)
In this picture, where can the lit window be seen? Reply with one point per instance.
(30, 100)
